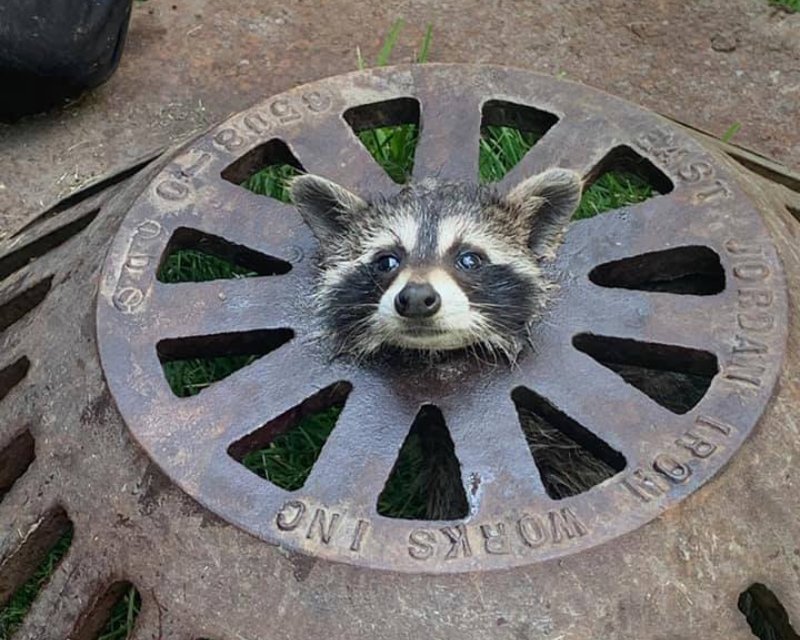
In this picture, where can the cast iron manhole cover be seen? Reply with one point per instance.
(727, 324)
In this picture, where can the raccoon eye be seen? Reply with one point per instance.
(469, 261)
(386, 263)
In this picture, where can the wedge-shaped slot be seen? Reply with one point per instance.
(26, 254)
(682, 270)
(765, 614)
(88, 192)
(285, 449)
(508, 132)
(569, 457)
(12, 375)
(15, 458)
(677, 378)
(194, 363)
(194, 256)
(425, 482)
(621, 179)
(265, 170)
(112, 616)
(390, 131)
(20, 305)
(27, 570)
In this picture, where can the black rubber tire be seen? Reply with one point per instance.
(53, 51)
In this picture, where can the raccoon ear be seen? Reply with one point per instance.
(548, 199)
(324, 205)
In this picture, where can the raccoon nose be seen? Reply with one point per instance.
(417, 300)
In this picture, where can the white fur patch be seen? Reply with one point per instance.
(455, 231)
(407, 229)
(451, 231)
(386, 308)
(451, 327)
(402, 231)
(455, 313)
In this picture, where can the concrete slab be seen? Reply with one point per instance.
(189, 63)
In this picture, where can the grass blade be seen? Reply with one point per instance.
(389, 43)
(426, 44)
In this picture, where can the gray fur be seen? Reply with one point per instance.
(324, 206)
(498, 300)
(549, 198)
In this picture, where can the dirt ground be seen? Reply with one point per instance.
(188, 63)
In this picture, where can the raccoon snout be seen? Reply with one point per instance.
(417, 300)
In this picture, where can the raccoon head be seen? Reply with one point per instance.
(438, 266)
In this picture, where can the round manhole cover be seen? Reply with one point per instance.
(686, 283)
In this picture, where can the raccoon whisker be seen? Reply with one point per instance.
(360, 305)
(490, 305)
(482, 354)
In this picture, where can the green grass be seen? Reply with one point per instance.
(501, 148)
(613, 190)
(272, 181)
(12, 614)
(288, 459)
(190, 376)
(393, 149)
(123, 616)
(793, 6)
(191, 265)
(120, 623)
(404, 495)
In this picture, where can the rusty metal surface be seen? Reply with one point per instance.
(675, 577)
(189, 437)
(190, 63)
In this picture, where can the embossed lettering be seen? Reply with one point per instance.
(749, 298)
(532, 530)
(714, 424)
(257, 123)
(358, 537)
(653, 138)
(695, 171)
(290, 515)
(746, 373)
(751, 271)
(756, 321)
(738, 248)
(670, 155)
(671, 468)
(644, 486)
(696, 444)
(317, 101)
(172, 190)
(136, 263)
(743, 344)
(127, 299)
(228, 139)
(495, 538)
(718, 190)
(421, 544)
(459, 542)
(283, 110)
(320, 525)
(148, 229)
(194, 168)
(565, 524)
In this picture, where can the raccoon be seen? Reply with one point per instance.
(450, 267)
(438, 266)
